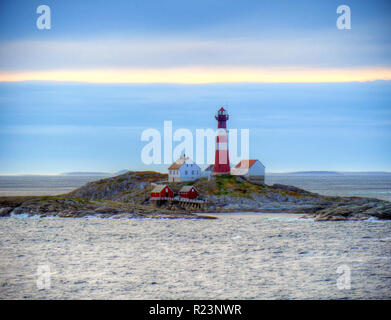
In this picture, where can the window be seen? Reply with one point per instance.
(186, 172)
(192, 172)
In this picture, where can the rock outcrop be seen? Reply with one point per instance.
(127, 195)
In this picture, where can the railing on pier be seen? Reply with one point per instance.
(178, 199)
(162, 198)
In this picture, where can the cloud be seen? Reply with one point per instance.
(318, 56)
(314, 50)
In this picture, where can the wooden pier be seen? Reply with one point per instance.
(184, 202)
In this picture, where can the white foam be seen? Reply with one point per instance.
(287, 219)
(374, 219)
(24, 216)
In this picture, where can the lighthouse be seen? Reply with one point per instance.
(221, 157)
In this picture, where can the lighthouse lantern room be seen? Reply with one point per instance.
(221, 157)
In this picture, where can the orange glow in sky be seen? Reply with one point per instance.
(201, 75)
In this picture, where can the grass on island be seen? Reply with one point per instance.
(235, 186)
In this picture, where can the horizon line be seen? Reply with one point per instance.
(85, 173)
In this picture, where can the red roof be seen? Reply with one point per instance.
(187, 189)
(175, 166)
(222, 109)
(158, 188)
(178, 164)
(245, 163)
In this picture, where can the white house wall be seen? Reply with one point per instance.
(173, 176)
(186, 172)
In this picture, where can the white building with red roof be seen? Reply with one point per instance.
(251, 169)
(184, 169)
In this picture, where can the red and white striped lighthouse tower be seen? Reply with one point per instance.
(221, 156)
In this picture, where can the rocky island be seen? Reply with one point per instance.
(128, 196)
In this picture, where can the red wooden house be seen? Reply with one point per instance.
(189, 192)
(162, 191)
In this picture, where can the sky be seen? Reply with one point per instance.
(77, 97)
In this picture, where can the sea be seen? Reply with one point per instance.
(237, 256)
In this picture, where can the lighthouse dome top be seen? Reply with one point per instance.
(222, 114)
(222, 111)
